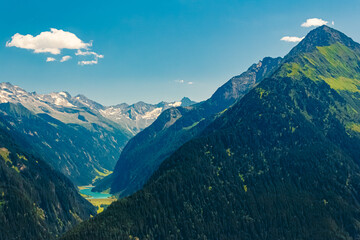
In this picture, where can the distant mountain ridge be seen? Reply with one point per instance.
(64, 107)
(147, 150)
(142, 114)
(77, 136)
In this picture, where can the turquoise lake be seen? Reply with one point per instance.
(87, 191)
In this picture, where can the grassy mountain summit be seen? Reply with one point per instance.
(331, 57)
(281, 163)
(335, 60)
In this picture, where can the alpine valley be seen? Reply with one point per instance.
(273, 154)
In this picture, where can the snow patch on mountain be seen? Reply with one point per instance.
(175, 104)
(153, 114)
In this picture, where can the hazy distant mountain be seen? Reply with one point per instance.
(147, 150)
(281, 163)
(77, 136)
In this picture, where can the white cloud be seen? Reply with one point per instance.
(183, 82)
(314, 22)
(52, 41)
(87, 53)
(291, 39)
(50, 59)
(65, 58)
(179, 81)
(91, 62)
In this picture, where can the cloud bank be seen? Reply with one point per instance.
(48, 42)
(314, 22)
(53, 42)
(291, 39)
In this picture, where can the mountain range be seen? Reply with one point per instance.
(147, 150)
(77, 136)
(281, 163)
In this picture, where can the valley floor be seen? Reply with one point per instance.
(100, 200)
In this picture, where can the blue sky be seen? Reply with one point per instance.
(150, 46)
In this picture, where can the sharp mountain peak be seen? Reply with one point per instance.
(320, 37)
